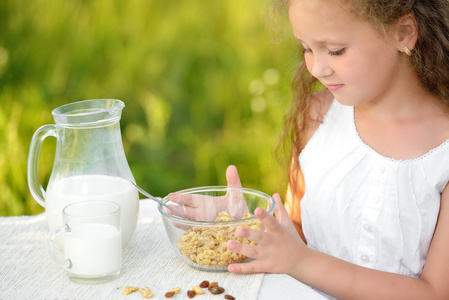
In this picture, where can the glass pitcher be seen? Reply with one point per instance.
(90, 163)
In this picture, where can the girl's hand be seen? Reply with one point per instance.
(279, 247)
(206, 208)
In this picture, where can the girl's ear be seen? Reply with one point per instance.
(407, 32)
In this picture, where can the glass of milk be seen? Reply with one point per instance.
(92, 251)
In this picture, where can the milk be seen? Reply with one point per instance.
(94, 249)
(94, 187)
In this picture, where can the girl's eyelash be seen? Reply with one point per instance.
(337, 52)
(305, 50)
(331, 53)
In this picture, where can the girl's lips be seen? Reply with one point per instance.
(334, 87)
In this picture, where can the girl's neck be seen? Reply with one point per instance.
(406, 99)
(398, 124)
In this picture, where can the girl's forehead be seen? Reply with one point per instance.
(323, 20)
(326, 21)
(339, 3)
(321, 7)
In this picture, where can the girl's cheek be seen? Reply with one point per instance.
(309, 63)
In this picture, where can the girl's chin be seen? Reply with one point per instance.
(344, 101)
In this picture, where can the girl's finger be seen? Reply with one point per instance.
(282, 215)
(235, 200)
(251, 267)
(247, 250)
(232, 176)
(250, 234)
(267, 220)
(280, 212)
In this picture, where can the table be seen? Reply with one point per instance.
(27, 272)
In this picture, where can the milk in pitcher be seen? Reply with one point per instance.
(94, 187)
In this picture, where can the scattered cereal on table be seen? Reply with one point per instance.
(175, 290)
(213, 288)
(146, 293)
(128, 290)
(197, 290)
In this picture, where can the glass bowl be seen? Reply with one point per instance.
(213, 214)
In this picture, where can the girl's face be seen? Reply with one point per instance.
(353, 60)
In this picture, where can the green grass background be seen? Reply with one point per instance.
(205, 84)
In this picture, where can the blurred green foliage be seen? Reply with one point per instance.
(204, 83)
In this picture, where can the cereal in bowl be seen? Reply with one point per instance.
(207, 246)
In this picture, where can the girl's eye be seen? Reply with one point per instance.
(337, 52)
(306, 50)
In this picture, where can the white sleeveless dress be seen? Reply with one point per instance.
(365, 208)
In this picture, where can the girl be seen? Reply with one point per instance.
(372, 151)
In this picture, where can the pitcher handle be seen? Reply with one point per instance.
(36, 189)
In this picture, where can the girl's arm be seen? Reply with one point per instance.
(281, 250)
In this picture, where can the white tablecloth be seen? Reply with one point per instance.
(27, 272)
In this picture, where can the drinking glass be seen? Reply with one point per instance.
(91, 241)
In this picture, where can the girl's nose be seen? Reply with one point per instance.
(320, 67)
